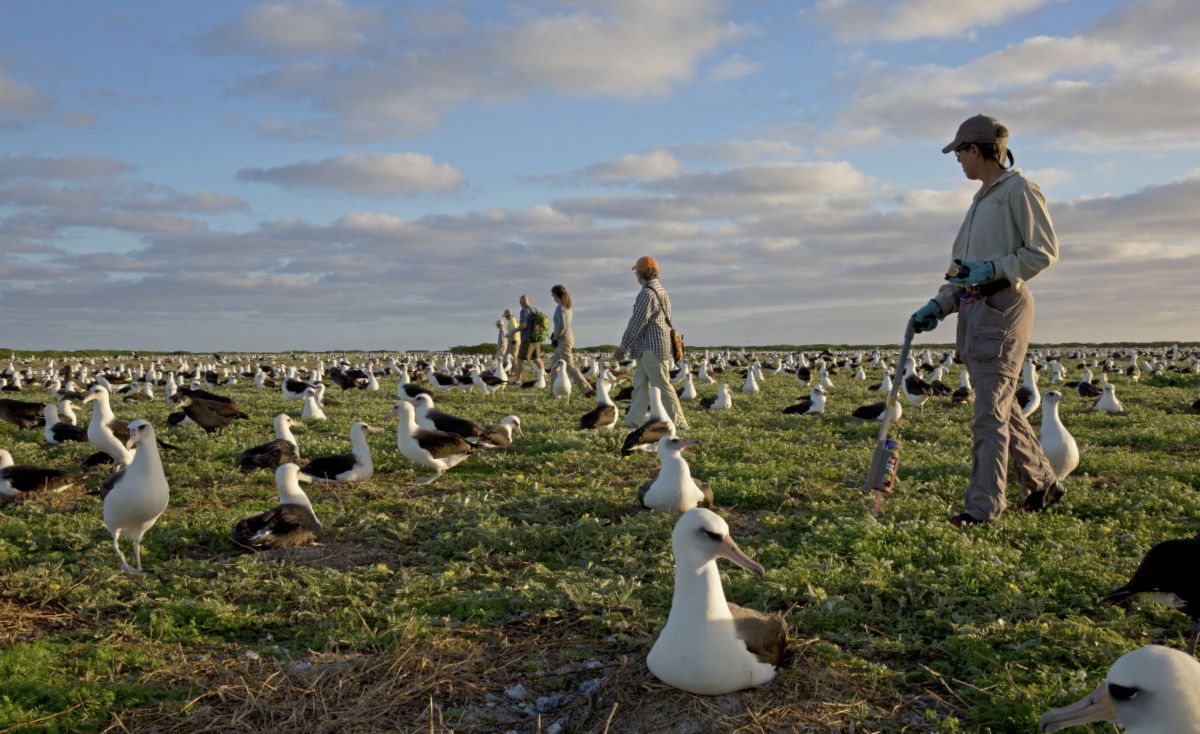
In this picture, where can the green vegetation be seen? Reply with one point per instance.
(531, 566)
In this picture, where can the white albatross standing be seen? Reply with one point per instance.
(561, 386)
(437, 450)
(1057, 442)
(135, 497)
(709, 646)
(102, 429)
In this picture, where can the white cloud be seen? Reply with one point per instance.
(1084, 90)
(295, 28)
(734, 67)
(909, 20)
(740, 151)
(386, 174)
(401, 81)
(634, 167)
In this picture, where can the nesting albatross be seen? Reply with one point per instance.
(708, 645)
(290, 523)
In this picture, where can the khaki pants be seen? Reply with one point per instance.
(652, 372)
(563, 352)
(993, 337)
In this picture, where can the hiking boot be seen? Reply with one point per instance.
(1044, 498)
(964, 519)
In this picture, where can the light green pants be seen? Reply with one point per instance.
(652, 372)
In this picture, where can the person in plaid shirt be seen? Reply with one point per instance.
(648, 340)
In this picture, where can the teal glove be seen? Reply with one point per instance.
(926, 318)
(973, 273)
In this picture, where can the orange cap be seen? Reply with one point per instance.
(644, 263)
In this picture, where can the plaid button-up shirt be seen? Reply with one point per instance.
(647, 329)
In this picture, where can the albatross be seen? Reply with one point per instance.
(605, 414)
(674, 489)
(437, 450)
(273, 454)
(16, 480)
(1152, 690)
(355, 466)
(135, 497)
(658, 424)
(709, 646)
(292, 522)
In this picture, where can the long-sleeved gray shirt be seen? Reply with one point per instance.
(1009, 225)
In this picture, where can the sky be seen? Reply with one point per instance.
(327, 174)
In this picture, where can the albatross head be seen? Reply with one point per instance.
(139, 430)
(515, 422)
(95, 392)
(1150, 690)
(701, 535)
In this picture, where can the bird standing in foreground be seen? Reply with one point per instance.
(135, 497)
(1152, 690)
(709, 646)
(437, 450)
(1057, 442)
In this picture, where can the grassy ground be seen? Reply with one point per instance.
(522, 591)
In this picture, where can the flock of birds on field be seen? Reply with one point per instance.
(708, 645)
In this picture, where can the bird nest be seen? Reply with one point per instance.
(515, 679)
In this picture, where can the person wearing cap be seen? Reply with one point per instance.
(1005, 239)
(512, 330)
(647, 339)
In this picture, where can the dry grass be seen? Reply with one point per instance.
(21, 622)
(456, 683)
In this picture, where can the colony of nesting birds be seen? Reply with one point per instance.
(707, 645)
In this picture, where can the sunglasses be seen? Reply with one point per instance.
(961, 149)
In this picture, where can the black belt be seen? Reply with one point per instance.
(992, 288)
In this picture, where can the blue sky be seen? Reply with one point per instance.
(328, 174)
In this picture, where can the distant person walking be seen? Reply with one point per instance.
(648, 340)
(530, 349)
(1006, 239)
(563, 338)
(501, 340)
(513, 329)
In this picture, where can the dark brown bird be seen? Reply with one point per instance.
(21, 413)
(212, 416)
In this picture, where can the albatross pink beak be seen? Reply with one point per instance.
(729, 549)
(1095, 706)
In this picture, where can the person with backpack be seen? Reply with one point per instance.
(533, 331)
(563, 338)
(648, 340)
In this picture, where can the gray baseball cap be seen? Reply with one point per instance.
(977, 129)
